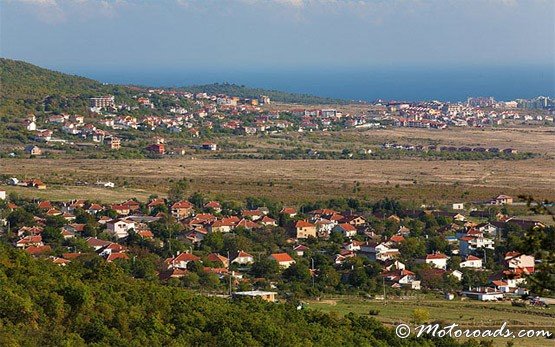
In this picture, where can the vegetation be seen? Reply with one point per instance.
(94, 302)
(247, 92)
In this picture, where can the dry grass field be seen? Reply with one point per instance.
(292, 181)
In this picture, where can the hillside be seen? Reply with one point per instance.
(248, 92)
(21, 80)
(91, 302)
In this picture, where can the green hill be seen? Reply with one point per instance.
(24, 87)
(248, 92)
(92, 302)
(21, 80)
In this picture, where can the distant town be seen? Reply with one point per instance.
(202, 119)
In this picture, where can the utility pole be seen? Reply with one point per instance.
(229, 271)
(313, 273)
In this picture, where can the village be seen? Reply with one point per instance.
(264, 249)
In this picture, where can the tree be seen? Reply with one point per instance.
(19, 218)
(178, 190)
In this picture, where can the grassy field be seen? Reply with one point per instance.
(292, 181)
(468, 314)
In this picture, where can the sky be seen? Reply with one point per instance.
(95, 37)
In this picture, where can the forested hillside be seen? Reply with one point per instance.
(275, 95)
(24, 87)
(90, 301)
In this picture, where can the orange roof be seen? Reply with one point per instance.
(113, 256)
(288, 210)
(303, 224)
(282, 257)
(182, 204)
(35, 250)
(436, 256)
(186, 257)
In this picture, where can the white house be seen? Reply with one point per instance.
(437, 260)
(471, 262)
(2, 195)
(243, 258)
(120, 227)
(458, 206)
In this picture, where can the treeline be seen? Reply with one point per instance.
(92, 302)
(248, 92)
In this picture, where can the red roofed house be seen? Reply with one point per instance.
(284, 260)
(214, 205)
(157, 148)
(37, 250)
(220, 260)
(437, 260)
(305, 229)
(345, 229)
(515, 260)
(267, 221)
(182, 209)
(29, 241)
(289, 211)
(243, 258)
(113, 256)
(181, 260)
(471, 262)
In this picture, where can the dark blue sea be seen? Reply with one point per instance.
(411, 84)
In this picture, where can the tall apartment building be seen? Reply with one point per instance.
(103, 101)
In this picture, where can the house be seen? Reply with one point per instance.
(157, 148)
(97, 244)
(483, 294)
(120, 227)
(300, 249)
(353, 220)
(209, 146)
(33, 150)
(289, 211)
(253, 214)
(347, 230)
(305, 229)
(437, 260)
(35, 183)
(155, 203)
(458, 206)
(218, 259)
(113, 256)
(516, 260)
(181, 261)
(28, 241)
(267, 221)
(243, 258)
(471, 262)
(2, 195)
(284, 260)
(402, 278)
(214, 205)
(502, 200)
(182, 209)
(266, 296)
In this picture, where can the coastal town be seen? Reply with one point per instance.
(158, 122)
(262, 248)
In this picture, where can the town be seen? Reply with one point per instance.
(158, 122)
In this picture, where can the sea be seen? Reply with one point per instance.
(359, 84)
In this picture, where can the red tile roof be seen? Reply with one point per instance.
(282, 257)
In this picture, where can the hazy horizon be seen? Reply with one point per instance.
(363, 49)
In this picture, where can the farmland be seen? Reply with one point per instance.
(468, 314)
(291, 181)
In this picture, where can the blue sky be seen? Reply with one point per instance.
(277, 34)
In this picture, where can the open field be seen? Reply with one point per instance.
(539, 140)
(468, 314)
(293, 181)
